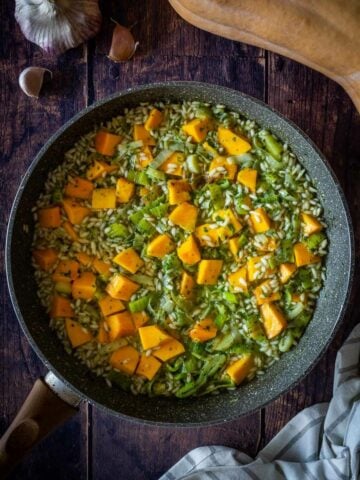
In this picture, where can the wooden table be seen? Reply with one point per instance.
(95, 445)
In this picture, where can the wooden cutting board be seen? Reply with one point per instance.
(323, 34)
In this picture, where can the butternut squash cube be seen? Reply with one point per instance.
(238, 280)
(75, 212)
(185, 216)
(145, 157)
(273, 320)
(121, 288)
(233, 144)
(303, 256)
(77, 334)
(79, 188)
(124, 190)
(129, 260)
(174, 164)
(125, 359)
(222, 167)
(61, 307)
(106, 143)
(154, 119)
(203, 330)
(269, 245)
(234, 246)
(120, 325)
(66, 271)
(69, 229)
(45, 258)
(140, 133)
(99, 169)
(84, 286)
(160, 246)
(84, 259)
(209, 271)
(179, 191)
(240, 369)
(286, 271)
(258, 268)
(102, 336)
(228, 220)
(170, 349)
(311, 224)
(260, 220)
(198, 128)
(265, 294)
(211, 235)
(109, 305)
(49, 217)
(189, 252)
(152, 336)
(140, 319)
(247, 177)
(187, 285)
(103, 198)
(102, 268)
(148, 366)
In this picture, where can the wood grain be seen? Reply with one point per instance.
(95, 445)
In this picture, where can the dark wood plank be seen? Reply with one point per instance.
(324, 111)
(25, 124)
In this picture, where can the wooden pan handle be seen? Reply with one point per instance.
(44, 409)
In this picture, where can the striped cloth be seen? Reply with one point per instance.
(320, 443)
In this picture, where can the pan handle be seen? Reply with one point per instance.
(47, 406)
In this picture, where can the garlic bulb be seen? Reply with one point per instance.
(57, 25)
(31, 80)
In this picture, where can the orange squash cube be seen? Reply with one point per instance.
(264, 293)
(234, 144)
(303, 256)
(148, 366)
(106, 143)
(209, 271)
(77, 334)
(79, 188)
(238, 280)
(255, 268)
(152, 336)
(189, 252)
(109, 305)
(286, 271)
(102, 335)
(129, 260)
(185, 216)
(102, 268)
(260, 220)
(84, 286)
(84, 259)
(179, 191)
(103, 198)
(228, 221)
(273, 320)
(74, 211)
(69, 229)
(49, 217)
(125, 359)
(66, 271)
(100, 169)
(311, 224)
(210, 235)
(240, 369)
(198, 128)
(187, 285)
(203, 330)
(140, 133)
(221, 167)
(124, 190)
(120, 325)
(145, 157)
(45, 258)
(121, 288)
(174, 164)
(154, 119)
(160, 246)
(140, 319)
(170, 349)
(247, 177)
(61, 307)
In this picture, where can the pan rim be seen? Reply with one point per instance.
(37, 159)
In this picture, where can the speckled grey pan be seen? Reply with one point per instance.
(211, 409)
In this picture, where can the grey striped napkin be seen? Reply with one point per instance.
(320, 443)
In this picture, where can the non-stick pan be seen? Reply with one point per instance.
(72, 381)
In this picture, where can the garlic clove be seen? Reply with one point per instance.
(31, 80)
(123, 45)
(58, 25)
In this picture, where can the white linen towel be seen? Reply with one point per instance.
(320, 443)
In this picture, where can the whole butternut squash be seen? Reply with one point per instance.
(322, 34)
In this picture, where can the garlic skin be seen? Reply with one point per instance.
(58, 25)
(123, 45)
(31, 80)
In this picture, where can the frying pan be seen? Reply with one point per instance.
(55, 398)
